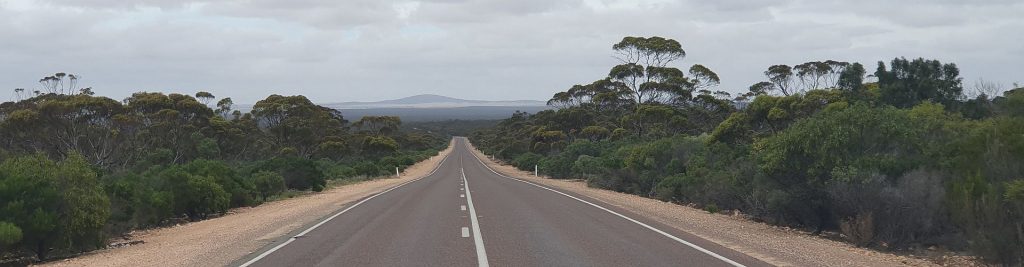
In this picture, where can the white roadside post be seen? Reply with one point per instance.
(396, 173)
(536, 172)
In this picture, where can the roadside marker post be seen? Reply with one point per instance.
(536, 171)
(396, 173)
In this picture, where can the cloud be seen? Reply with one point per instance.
(488, 49)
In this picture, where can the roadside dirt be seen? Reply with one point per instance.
(776, 245)
(219, 241)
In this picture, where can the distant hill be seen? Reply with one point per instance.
(427, 107)
(433, 101)
(442, 113)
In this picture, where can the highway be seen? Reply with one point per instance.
(465, 214)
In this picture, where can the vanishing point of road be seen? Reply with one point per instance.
(465, 214)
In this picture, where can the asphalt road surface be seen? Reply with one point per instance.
(465, 214)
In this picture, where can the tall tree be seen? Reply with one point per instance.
(644, 67)
(781, 76)
(906, 83)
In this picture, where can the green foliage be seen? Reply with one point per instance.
(902, 162)
(300, 174)
(1011, 103)
(10, 234)
(908, 83)
(55, 204)
(226, 177)
(595, 133)
(204, 197)
(527, 161)
(79, 167)
(379, 145)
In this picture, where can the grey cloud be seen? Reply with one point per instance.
(489, 49)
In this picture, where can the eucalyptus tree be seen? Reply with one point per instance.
(204, 97)
(646, 74)
(644, 69)
(703, 77)
(295, 123)
(762, 88)
(908, 82)
(224, 107)
(60, 83)
(781, 77)
(379, 125)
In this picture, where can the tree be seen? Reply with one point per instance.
(379, 125)
(60, 83)
(761, 88)
(377, 145)
(908, 83)
(644, 67)
(295, 123)
(204, 97)
(781, 76)
(595, 133)
(224, 107)
(852, 78)
(703, 77)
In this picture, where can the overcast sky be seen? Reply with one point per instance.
(358, 50)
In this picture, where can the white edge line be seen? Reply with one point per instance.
(266, 253)
(481, 252)
(677, 239)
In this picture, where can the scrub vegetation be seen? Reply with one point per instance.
(897, 158)
(78, 169)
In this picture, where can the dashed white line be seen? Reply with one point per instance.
(463, 207)
(677, 239)
(465, 231)
(481, 253)
(462, 195)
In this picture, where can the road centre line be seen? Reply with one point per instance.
(481, 252)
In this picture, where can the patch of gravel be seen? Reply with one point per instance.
(219, 241)
(776, 245)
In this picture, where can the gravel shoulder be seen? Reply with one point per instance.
(776, 245)
(219, 241)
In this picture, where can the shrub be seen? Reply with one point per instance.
(298, 173)
(240, 190)
(860, 229)
(369, 169)
(10, 234)
(558, 166)
(711, 208)
(205, 197)
(527, 160)
(268, 183)
(55, 204)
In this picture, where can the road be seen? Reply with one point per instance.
(465, 214)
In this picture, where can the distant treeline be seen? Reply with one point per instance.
(449, 127)
(898, 159)
(77, 169)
